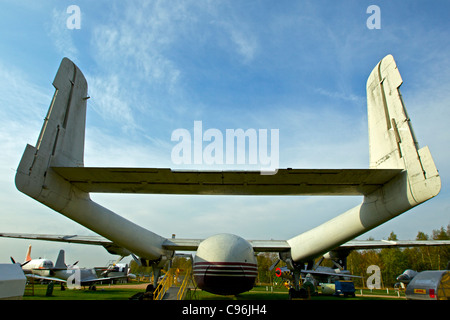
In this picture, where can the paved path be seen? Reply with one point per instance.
(171, 293)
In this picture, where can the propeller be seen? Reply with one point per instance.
(111, 267)
(70, 266)
(21, 264)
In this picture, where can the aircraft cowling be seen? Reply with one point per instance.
(225, 264)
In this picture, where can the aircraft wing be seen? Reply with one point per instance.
(169, 244)
(320, 273)
(82, 282)
(192, 244)
(380, 244)
(110, 246)
(283, 182)
(283, 245)
(95, 280)
(37, 277)
(95, 240)
(324, 273)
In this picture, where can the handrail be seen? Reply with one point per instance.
(184, 284)
(163, 286)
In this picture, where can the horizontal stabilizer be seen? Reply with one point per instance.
(284, 182)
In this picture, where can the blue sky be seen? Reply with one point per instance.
(297, 66)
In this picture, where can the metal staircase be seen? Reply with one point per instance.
(170, 289)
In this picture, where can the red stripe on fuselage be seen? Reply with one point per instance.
(225, 269)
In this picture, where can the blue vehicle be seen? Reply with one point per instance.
(347, 288)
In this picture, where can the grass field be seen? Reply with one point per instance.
(124, 292)
(102, 293)
(261, 293)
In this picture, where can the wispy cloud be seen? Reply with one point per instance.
(109, 99)
(340, 95)
(133, 42)
(243, 41)
(61, 35)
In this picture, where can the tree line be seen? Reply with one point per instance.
(394, 261)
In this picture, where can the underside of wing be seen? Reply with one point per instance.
(93, 240)
(270, 245)
(380, 244)
(331, 274)
(284, 182)
(110, 246)
(37, 277)
(169, 244)
(182, 244)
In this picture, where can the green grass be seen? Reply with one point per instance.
(102, 293)
(257, 293)
(260, 293)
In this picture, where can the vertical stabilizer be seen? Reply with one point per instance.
(392, 142)
(62, 135)
(61, 141)
(60, 260)
(28, 255)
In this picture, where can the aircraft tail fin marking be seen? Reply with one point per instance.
(28, 256)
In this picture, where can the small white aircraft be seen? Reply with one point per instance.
(62, 273)
(39, 266)
(401, 176)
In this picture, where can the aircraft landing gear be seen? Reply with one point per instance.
(299, 292)
(156, 266)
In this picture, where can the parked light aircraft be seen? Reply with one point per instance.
(320, 274)
(71, 275)
(312, 278)
(400, 177)
(39, 265)
(406, 277)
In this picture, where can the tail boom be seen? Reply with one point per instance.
(392, 145)
(61, 143)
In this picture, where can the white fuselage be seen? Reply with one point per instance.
(38, 266)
